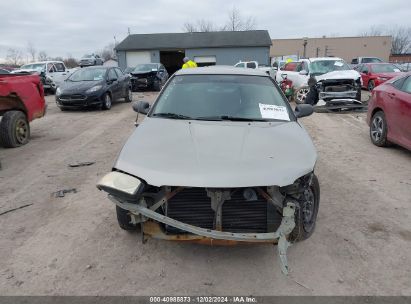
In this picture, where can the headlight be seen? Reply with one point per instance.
(94, 89)
(58, 92)
(121, 185)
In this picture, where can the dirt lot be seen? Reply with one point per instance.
(73, 246)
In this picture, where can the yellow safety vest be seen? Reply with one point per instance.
(189, 64)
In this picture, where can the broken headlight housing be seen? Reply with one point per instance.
(121, 185)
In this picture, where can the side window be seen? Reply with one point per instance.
(50, 68)
(240, 65)
(399, 83)
(299, 67)
(59, 66)
(406, 85)
(112, 74)
(305, 66)
(119, 72)
(364, 68)
(354, 61)
(251, 65)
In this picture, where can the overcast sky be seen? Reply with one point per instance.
(62, 27)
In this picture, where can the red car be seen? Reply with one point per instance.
(374, 74)
(389, 113)
(290, 66)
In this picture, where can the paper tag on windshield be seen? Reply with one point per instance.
(338, 63)
(273, 112)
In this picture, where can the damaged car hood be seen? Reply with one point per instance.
(167, 152)
(348, 74)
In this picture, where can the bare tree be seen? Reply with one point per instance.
(14, 56)
(31, 50)
(70, 62)
(200, 26)
(236, 22)
(189, 27)
(401, 37)
(401, 40)
(108, 52)
(374, 30)
(42, 56)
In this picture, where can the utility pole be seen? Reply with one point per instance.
(317, 52)
(326, 51)
(305, 41)
(115, 41)
(128, 30)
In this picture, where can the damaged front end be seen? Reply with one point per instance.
(329, 89)
(225, 216)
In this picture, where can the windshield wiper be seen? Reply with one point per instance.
(230, 118)
(171, 115)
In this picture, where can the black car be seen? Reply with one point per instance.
(90, 60)
(148, 76)
(93, 86)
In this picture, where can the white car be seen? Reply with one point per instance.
(54, 71)
(323, 70)
(254, 65)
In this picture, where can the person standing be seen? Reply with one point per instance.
(188, 63)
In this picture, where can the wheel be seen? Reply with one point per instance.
(301, 94)
(378, 129)
(306, 213)
(157, 86)
(129, 95)
(371, 85)
(124, 220)
(63, 109)
(14, 129)
(106, 102)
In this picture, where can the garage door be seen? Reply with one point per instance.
(135, 58)
(205, 59)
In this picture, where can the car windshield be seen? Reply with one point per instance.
(128, 70)
(88, 75)
(34, 66)
(222, 97)
(145, 67)
(88, 56)
(385, 68)
(320, 67)
(371, 60)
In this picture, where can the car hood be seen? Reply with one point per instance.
(68, 87)
(347, 74)
(166, 152)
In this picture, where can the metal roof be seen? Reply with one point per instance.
(221, 70)
(195, 40)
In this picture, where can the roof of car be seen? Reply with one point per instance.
(221, 70)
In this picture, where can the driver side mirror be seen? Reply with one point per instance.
(303, 72)
(141, 107)
(303, 110)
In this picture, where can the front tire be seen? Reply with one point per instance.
(124, 220)
(378, 129)
(14, 129)
(129, 95)
(106, 105)
(301, 94)
(157, 86)
(371, 85)
(306, 213)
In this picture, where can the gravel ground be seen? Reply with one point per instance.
(73, 245)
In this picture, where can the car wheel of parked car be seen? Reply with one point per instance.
(14, 129)
(306, 213)
(124, 220)
(378, 130)
(371, 85)
(157, 85)
(106, 102)
(129, 95)
(301, 94)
